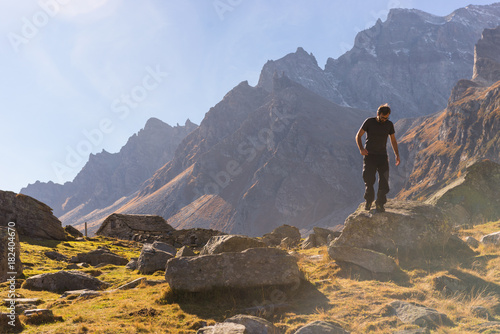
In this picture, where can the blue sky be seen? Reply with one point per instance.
(82, 76)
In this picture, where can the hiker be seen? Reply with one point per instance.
(375, 157)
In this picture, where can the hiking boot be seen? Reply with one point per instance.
(368, 205)
(380, 207)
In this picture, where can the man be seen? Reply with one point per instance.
(375, 157)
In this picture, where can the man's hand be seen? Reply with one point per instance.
(398, 161)
(363, 151)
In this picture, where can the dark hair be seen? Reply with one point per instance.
(384, 109)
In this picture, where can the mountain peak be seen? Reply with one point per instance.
(487, 57)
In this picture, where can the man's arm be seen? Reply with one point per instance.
(394, 144)
(360, 134)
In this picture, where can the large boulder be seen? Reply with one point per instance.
(31, 217)
(230, 243)
(405, 229)
(371, 260)
(153, 258)
(10, 249)
(98, 256)
(253, 267)
(125, 226)
(419, 315)
(62, 281)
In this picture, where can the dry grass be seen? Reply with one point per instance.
(348, 296)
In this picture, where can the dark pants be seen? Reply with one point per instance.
(371, 165)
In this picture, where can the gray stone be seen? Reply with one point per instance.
(323, 235)
(251, 268)
(9, 244)
(152, 259)
(419, 315)
(19, 301)
(253, 325)
(491, 239)
(405, 229)
(63, 281)
(321, 327)
(163, 246)
(184, 251)
(371, 260)
(472, 242)
(73, 231)
(278, 234)
(230, 243)
(309, 242)
(449, 285)
(98, 256)
(223, 328)
(132, 264)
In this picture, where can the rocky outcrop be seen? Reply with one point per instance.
(32, 218)
(275, 238)
(123, 226)
(10, 249)
(251, 268)
(107, 177)
(230, 243)
(64, 281)
(406, 229)
(100, 256)
(487, 58)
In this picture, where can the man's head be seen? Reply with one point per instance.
(383, 113)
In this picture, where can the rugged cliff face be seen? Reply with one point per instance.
(411, 60)
(257, 161)
(438, 146)
(107, 177)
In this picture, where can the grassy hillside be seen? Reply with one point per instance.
(350, 296)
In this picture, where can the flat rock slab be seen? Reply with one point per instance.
(253, 267)
(223, 328)
(419, 315)
(371, 260)
(19, 301)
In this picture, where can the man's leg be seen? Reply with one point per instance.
(369, 176)
(383, 180)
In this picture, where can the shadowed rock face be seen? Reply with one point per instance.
(487, 58)
(32, 218)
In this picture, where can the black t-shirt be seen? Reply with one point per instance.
(376, 135)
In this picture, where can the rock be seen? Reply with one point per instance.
(132, 284)
(419, 315)
(253, 325)
(253, 267)
(321, 327)
(309, 242)
(184, 251)
(288, 243)
(98, 256)
(491, 239)
(458, 247)
(371, 260)
(82, 293)
(40, 316)
(123, 226)
(164, 247)
(63, 281)
(480, 312)
(472, 242)
(20, 301)
(278, 234)
(323, 235)
(457, 281)
(487, 59)
(9, 244)
(73, 231)
(405, 229)
(132, 264)
(230, 243)
(32, 218)
(152, 259)
(449, 285)
(223, 328)
(56, 256)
